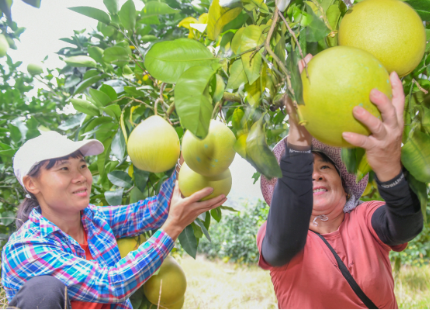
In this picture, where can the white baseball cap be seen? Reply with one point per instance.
(50, 145)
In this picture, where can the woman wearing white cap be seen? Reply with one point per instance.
(325, 248)
(64, 253)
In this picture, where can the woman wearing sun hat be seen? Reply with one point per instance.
(64, 253)
(323, 246)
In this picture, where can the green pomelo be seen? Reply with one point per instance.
(153, 145)
(171, 279)
(81, 61)
(390, 30)
(340, 78)
(34, 69)
(126, 245)
(4, 46)
(191, 182)
(212, 155)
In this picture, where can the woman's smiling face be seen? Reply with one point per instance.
(65, 187)
(328, 192)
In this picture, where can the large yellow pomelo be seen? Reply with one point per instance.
(171, 279)
(340, 78)
(390, 30)
(154, 145)
(212, 155)
(126, 245)
(191, 182)
(4, 45)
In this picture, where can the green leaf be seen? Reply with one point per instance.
(101, 158)
(166, 61)
(237, 76)
(81, 61)
(120, 178)
(416, 156)
(7, 218)
(118, 146)
(127, 15)
(96, 53)
(296, 78)
(259, 155)
(237, 41)
(253, 93)
(251, 38)
(316, 29)
(223, 207)
(140, 178)
(420, 189)
(113, 110)
(116, 54)
(216, 214)
(152, 9)
(93, 13)
(100, 98)
(201, 225)
(88, 82)
(192, 100)
(112, 6)
(188, 241)
(422, 7)
(219, 89)
(114, 197)
(219, 17)
(363, 168)
(109, 90)
(85, 106)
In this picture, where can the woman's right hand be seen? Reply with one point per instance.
(298, 135)
(183, 211)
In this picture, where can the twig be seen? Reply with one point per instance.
(155, 105)
(323, 15)
(419, 86)
(129, 39)
(159, 296)
(214, 112)
(246, 51)
(297, 42)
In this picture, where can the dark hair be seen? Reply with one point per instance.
(29, 203)
(325, 158)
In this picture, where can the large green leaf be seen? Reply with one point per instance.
(251, 38)
(96, 53)
(219, 17)
(189, 241)
(112, 6)
(140, 178)
(420, 189)
(166, 61)
(316, 28)
(259, 154)
(113, 110)
(152, 9)
(93, 13)
(416, 156)
(114, 197)
(201, 225)
(422, 7)
(219, 89)
(118, 146)
(88, 82)
(101, 98)
(116, 54)
(81, 61)
(120, 179)
(85, 106)
(237, 75)
(296, 79)
(127, 15)
(192, 100)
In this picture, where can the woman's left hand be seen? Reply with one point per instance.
(383, 146)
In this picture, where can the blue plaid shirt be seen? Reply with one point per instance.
(39, 247)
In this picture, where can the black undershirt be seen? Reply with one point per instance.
(397, 222)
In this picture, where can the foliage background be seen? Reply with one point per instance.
(239, 59)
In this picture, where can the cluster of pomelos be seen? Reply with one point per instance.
(376, 37)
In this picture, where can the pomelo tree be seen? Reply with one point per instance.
(193, 61)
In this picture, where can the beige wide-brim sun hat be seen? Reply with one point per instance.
(50, 145)
(334, 153)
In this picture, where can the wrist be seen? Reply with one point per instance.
(385, 175)
(173, 230)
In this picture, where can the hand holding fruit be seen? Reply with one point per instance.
(183, 211)
(298, 135)
(383, 146)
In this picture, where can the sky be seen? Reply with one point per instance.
(52, 21)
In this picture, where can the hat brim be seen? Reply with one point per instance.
(334, 153)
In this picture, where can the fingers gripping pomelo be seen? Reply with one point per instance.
(212, 155)
(154, 145)
(340, 78)
(390, 30)
(191, 182)
(171, 279)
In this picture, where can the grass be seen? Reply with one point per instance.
(214, 285)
